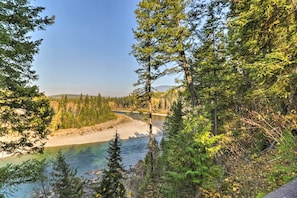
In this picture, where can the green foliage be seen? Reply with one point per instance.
(150, 185)
(174, 121)
(239, 64)
(25, 113)
(173, 38)
(264, 43)
(162, 37)
(25, 117)
(214, 78)
(64, 181)
(80, 111)
(111, 184)
(284, 162)
(18, 20)
(189, 153)
(126, 102)
(13, 175)
(147, 54)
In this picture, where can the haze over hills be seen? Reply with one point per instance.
(161, 88)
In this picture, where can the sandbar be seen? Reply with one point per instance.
(125, 126)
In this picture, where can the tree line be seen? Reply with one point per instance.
(161, 102)
(76, 112)
(227, 133)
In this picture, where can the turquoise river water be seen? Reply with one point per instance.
(86, 158)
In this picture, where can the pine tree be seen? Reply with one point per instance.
(174, 123)
(65, 182)
(25, 112)
(146, 53)
(111, 185)
(174, 35)
(213, 76)
(188, 153)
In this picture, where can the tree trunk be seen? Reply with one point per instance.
(149, 86)
(151, 135)
(189, 79)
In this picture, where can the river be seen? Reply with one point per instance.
(87, 158)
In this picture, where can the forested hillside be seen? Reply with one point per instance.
(231, 133)
(162, 102)
(76, 112)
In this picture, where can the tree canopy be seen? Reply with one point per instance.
(234, 116)
(25, 113)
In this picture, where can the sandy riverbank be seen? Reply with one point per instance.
(145, 113)
(124, 125)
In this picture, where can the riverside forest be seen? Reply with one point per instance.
(231, 122)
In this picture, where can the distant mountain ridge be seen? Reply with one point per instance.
(162, 88)
(70, 95)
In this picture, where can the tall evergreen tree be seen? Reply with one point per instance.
(213, 76)
(25, 113)
(174, 36)
(111, 185)
(65, 182)
(146, 53)
(174, 122)
(188, 153)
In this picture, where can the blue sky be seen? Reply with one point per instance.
(87, 49)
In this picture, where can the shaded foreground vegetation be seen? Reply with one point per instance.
(230, 132)
(191, 162)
